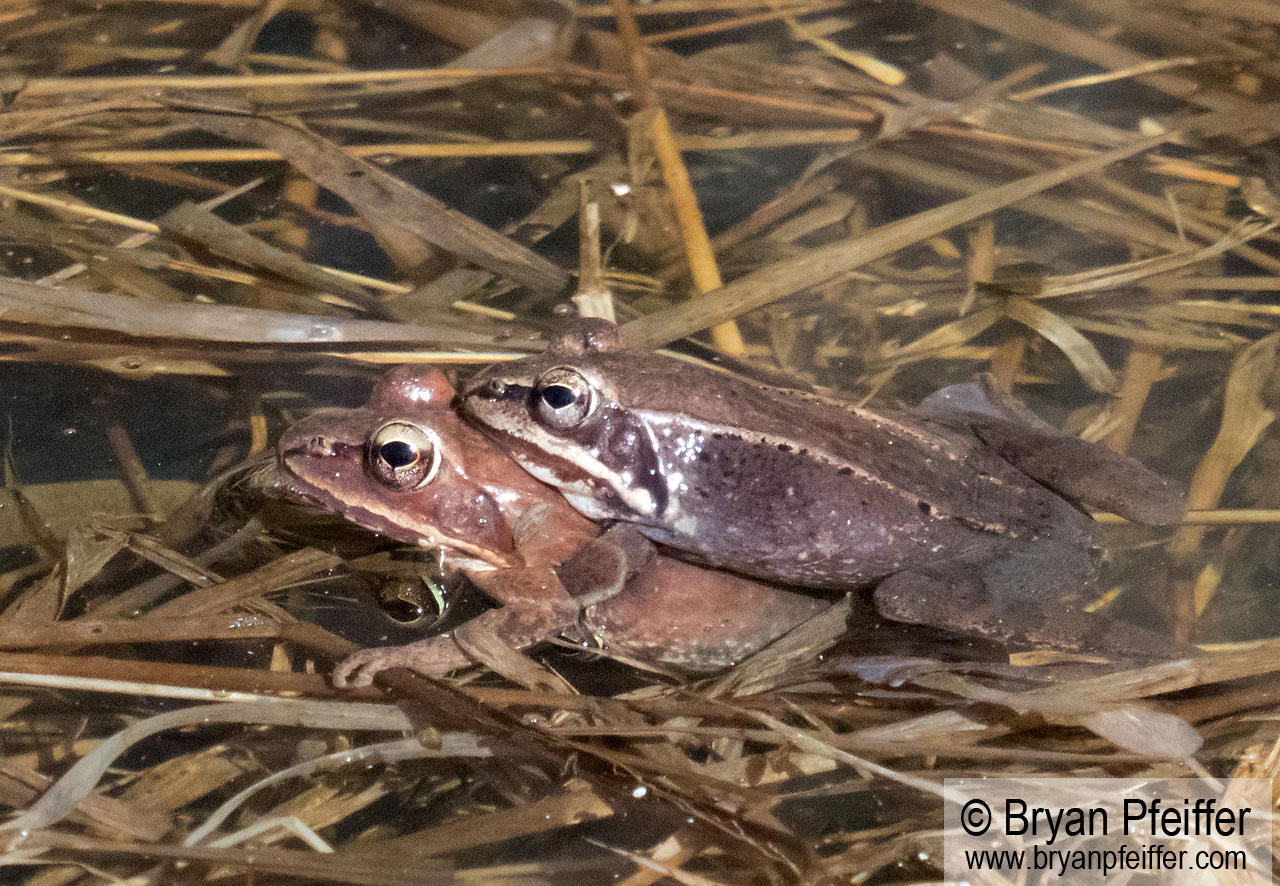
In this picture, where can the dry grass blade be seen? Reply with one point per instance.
(1028, 25)
(1149, 67)
(949, 335)
(661, 868)
(117, 818)
(31, 303)
(388, 201)
(1079, 350)
(76, 784)
(1132, 272)
(557, 811)
(148, 679)
(451, 744)
(786, 277)
(1245, 416)
(87, 552)
(95, 632)
(798, 646)
(233, 82)
(272, 861)
(697, 244)
(408, 150)
(1144, 731)
(485, 646)
(193, 341)
(274, 576)
(816, 744)
(1131, 726)
(1142, 370)
(193, 223)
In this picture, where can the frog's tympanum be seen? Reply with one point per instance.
(407, 467)
(963, 512)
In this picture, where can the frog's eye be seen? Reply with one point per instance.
(404, 456)
(562, 399)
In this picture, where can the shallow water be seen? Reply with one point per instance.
(575, 765)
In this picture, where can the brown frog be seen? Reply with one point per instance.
(964, 513)
(407, 467)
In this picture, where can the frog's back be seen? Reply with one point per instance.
(787, 484)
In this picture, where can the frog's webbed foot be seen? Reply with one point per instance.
(534, 606)
(961, 606)
(433, 657)
(601, 569)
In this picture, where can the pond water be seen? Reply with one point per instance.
(218, 218)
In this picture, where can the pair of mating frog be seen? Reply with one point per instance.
(963, 513)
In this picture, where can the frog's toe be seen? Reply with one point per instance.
(432, 657)
(350, 673)
(359, 669)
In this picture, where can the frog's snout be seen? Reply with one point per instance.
(321, 446)
(481, 389)
(311, 446)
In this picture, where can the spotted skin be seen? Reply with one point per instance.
(957, 502)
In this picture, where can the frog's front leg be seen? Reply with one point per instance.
(534, 605)
(602, 568)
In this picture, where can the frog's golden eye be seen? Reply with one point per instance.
(404, 456)
(563, 399)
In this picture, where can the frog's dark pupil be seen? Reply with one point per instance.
(557, 396)
(398, 454)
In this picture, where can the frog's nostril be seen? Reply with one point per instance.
(494, 388)
(320, 446)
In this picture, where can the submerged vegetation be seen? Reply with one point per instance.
(219, 214)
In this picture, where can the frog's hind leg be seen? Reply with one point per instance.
(962, 605)
(1080, 471)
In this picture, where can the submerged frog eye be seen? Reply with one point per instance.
(562, 399)
(403, 455)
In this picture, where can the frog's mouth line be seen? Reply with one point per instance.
(579, 475)
(580, 479)
(382, 522)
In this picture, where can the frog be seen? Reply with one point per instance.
(965, 513)
(405, 466)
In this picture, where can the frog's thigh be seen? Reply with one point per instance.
(534, 605)
(1013, 596)
(694, 618)
(917, 598)
(1087, 472)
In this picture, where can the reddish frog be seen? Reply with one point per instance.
(407, 467)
